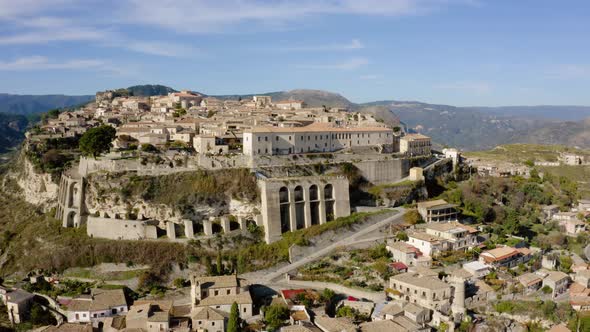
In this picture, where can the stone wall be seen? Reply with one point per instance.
(120, 229)
(383, 171)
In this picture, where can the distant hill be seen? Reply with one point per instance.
(31, 104)
(313, 98)
(551, 112)
(570, 133)
(12, 129)
(147, 90)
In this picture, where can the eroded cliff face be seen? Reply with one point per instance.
(36, 188)
(119, 194)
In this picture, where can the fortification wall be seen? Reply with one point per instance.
(120, 229)
(383, 171)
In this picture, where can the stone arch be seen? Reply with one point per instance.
(313, 192)
(71, 192)
(250, 222)
(71, 219)
(216, 227)
(284, 195)
(298, 193)
(299, 207)
(233, 225)
(284, 206)
(329, 201)
(329, 191)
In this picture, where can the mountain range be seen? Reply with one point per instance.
(468, 128)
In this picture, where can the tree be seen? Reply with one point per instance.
(275, 316)
(97, 140)
(233, 325)
(412, 217)
(219, 264)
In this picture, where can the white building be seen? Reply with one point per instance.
(101, 303)
(316, 137)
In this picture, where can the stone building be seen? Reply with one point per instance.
(427, 291)
(438, 211)
(415, 145)
(289, 204)
(101, 303)
(220, 293)
(316, 137)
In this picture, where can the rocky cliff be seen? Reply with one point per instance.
(35, 188)
(194, 195)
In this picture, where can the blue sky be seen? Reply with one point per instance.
(459, 52)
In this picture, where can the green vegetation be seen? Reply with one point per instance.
(366, 269)
(352, 313)
(557, 312)
(275, 316)
(89, 273)
(512, 206)
(28, 232)
(187, 189)
(52, 155)
(96, 141)
(233, 324)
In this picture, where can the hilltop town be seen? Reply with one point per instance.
(183, 212)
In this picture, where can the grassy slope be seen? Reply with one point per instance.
(519, 153)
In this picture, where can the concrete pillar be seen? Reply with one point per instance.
(259, 220)
(292, 214)
(322, 205)
(307, 207)
(188, 229)
(225, 224)
(208, 227)
(242, 222)
(170, 230)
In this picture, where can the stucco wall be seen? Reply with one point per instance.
(120, 229)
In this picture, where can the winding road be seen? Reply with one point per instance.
(272, 276)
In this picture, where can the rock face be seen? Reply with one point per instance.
(37, 188)
(105, 193)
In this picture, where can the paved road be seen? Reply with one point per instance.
(279, 273)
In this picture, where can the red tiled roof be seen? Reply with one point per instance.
(290, 294)
(399, 266)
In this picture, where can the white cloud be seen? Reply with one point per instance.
(43, 63)
(351, 64)
(205, 16)
(569, 71)
(54, 35)
(467, 87)
(354, 44)
(162, 49)
(370, 77)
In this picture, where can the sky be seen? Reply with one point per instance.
(457, 52)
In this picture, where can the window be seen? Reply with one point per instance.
(266, 138)
(244, 309)
(212, 323)
(216, 293)
(228, 291)
(277, 138)
(259, 139)
(289, 138)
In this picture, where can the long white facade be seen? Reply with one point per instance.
(317, 137)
